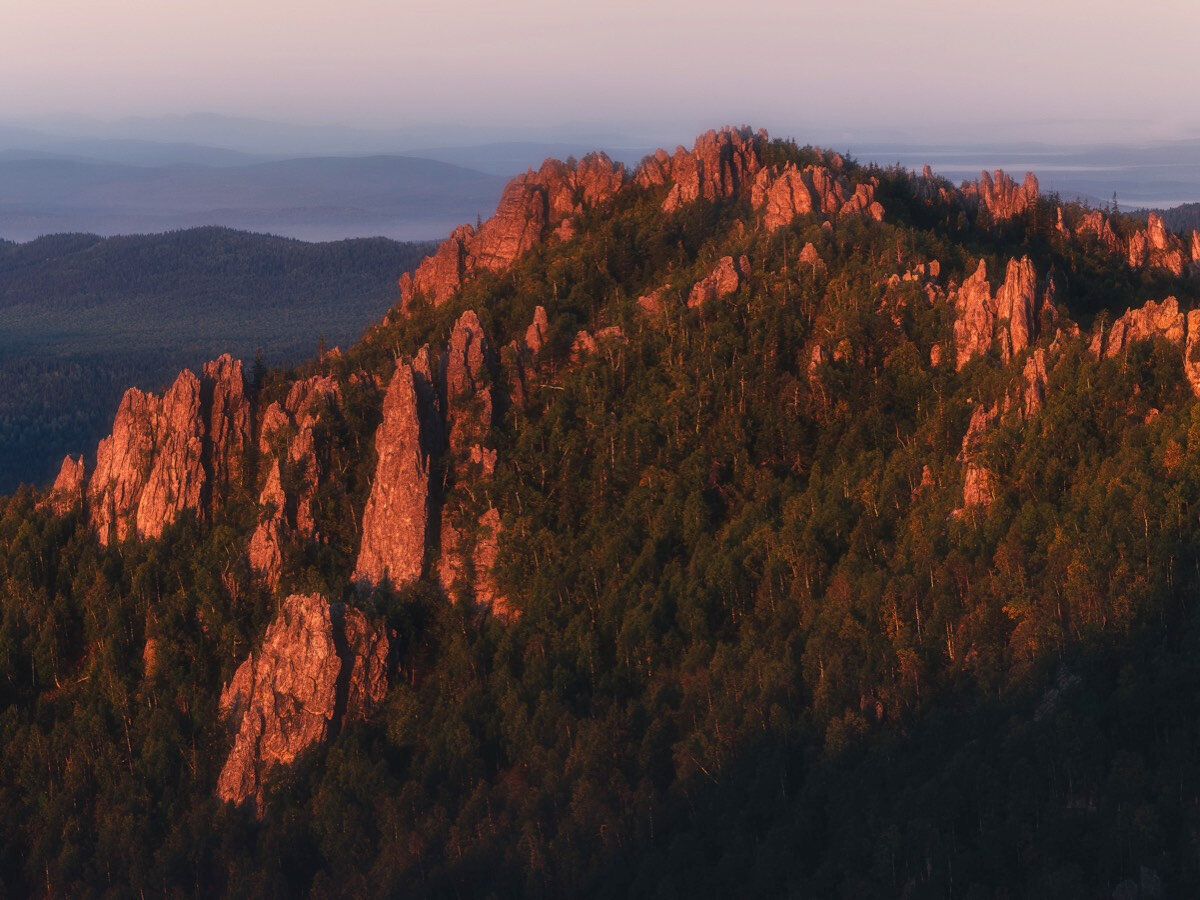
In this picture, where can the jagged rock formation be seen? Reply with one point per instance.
(1012, 315)
(288, 441)
(810, 258)
(1163, 320)
(520, 357)
(533, 206)
(266, 544)
(468, 376)
(719, 165)
(319, 666)
(1095, 223)
(423, 416)
(1034, 376)
(145, 431)
(1155, 247)
(468, 560)
(396, 520)
(468, 373)
(66, 494)
(1191, 351)
(587, 344)
(1000, 197)
(170, 454)
(781, 196)
(223, 394)
(979, 488)
(723, 281)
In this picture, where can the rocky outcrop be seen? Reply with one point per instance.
(1195, 247)
(979, 487)
(468, 543)
(1162, 320)
(723, 281)
(1015, 304)
(1156, 248)
(521, 357)
(810, 259)
(533, 207)
(223, 395)
(319, 667)
(974, 316)
(266, 544)
(1191, 351)
(587, 344)
(149, 469)
(468, 561)
(1094, 223)
(1033, 397)
(66, 494)
(999, 197)
(395, 523)
(288, 442)
(468, 373)
(717, 167)
(182, 451)
(1011, 316)
(781, 196)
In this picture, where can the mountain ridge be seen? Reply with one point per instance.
(687, 497)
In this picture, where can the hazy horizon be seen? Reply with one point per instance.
(930, 71)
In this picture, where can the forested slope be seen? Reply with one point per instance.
(750, 524)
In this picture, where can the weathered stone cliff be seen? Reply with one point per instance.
(319, 666)
(395, 524)
(183, 451)
(533, 207)
(1011, 316)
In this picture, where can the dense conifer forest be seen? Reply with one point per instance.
(84, 317)
(761, 645)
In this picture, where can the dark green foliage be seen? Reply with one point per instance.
(758, 653)
(83, 317)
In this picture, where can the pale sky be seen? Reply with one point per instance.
(908, 70)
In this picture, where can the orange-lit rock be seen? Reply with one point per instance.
(1001, 197)
(149, 469)
(396, 519)
(723, 281)
(66, 494)
(974, 316)
(1155, 247)
(534, 206)
(1162, 320)
(283, 699)
(719, 165)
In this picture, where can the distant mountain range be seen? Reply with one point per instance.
(325, 198)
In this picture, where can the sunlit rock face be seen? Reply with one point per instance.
(1162, 320)
(999, 197)
(395, 522)
(181, 451)
(534, 207)
(723, 281)
(1156, 248)
(319, 666)
(66, 494)
(289, 441)
(1011, 317)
